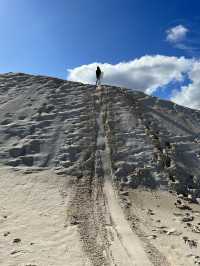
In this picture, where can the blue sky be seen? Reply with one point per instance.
(49, 37)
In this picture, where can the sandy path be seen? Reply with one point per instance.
(126, 248)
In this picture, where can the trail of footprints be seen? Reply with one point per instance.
(154, 148)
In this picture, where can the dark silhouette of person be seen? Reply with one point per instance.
(98, 76)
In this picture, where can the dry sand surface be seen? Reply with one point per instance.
(33, 231)
(174, 232)
(34, 210)
(96, 176)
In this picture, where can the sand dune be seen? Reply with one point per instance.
(96, 176)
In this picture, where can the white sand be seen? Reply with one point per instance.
(90, 137)
(33, 208)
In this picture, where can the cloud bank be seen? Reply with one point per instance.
(148, 74)
(145, 74)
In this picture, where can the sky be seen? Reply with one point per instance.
(147, 45)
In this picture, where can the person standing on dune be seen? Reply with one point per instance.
(98, 75)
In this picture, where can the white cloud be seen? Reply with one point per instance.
(145, 74)
(176, 34)
(190, 95)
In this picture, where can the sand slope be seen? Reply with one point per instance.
(96, 176)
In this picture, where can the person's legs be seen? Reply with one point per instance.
(98, 81)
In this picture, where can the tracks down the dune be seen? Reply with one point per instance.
(125, 247)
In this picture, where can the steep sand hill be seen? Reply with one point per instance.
(96, 176)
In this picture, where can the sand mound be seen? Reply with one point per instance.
(84, 169)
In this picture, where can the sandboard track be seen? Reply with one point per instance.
(125, 247)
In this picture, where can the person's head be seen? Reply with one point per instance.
(98, 67)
